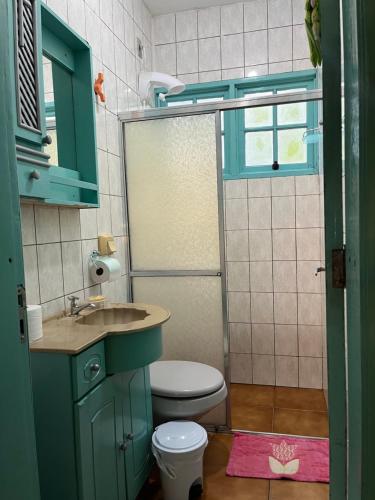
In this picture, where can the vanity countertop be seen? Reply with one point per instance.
(66, 336)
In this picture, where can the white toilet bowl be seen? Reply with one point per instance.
(185, 389)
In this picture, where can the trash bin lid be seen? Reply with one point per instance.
(180, 435)
(184, 379)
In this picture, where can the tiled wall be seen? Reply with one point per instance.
(273, 245)
(58, 241)
(258, 37)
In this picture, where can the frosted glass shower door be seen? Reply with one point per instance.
(175, 233)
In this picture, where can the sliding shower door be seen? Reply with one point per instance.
(173, 175)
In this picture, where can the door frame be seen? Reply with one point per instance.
(18, 471)
(359, 76)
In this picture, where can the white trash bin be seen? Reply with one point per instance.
(178, 448)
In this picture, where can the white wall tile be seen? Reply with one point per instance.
(47, 224)
(72, 266)
(241, 368)
(235, 189)
(308, 211)
(187, 57)
(310, 341)
(279, 13)
(27, 224)
(60, 7)
(280, 67)
(283, 212)
(300, 42)
(263, 369)
(309, 309)
(232, 74)
(310, 372)
(116, 175)
(284, 244)
(189, 78)
(286, 340)
(239, 307)
(232, 53)
(307, 184)
(298, 11)
(284, 276)
(261, 277)
(164, 29)
(165, 58)
(256, 48)
(285, 308)
(118, 19)
(263, 339)
(232, 19)
(31, 274)
(50, 271)
(104, 215)
(302, 64)
(286, 371)
(88, 246)
(237, 245)
(283, 186)
(255, 15)
(259, 70)
(280, 44)
(240, 337)
(89, 226)
(53, 308)
(70, 224)
(108, 47)
(236, 214)
(112, 133)
(92, 29)
(262, 308)
(307, 280)
(186, 25)
(259, 213)
(260, 245)
(209, 22)
(209, 54)
(209, 76)
(238, 276)
(259, 188)
(308, 244)
(117, 215)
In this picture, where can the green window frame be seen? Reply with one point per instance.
(234, 131)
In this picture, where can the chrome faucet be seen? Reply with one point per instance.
(75, 309)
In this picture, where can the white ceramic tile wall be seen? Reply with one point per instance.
(258, 37)
(57, 241)
(276, 302)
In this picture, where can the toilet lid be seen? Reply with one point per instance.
(179, 435)
(184, 379)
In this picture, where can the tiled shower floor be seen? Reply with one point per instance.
(283, 410)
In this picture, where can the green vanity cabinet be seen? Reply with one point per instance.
(93, 428)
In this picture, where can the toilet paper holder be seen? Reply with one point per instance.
(103, 268)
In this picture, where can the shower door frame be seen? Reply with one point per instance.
(200, 109)
(220, 273)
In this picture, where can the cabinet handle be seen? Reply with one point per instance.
(130, 436)
(35, 175)
(47, 139)
(95, 367)
(123, 446)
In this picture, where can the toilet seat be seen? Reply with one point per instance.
(185, 389)
(184, 379)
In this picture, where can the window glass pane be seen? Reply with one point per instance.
(170, 104)
(291, 147)
(259, 148)
(258, 117)
(288, 114)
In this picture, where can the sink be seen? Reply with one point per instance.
(112, 316)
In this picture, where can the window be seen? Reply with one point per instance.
(265, 141)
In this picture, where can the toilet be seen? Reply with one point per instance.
(185, 389)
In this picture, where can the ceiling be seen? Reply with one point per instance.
(157, 7)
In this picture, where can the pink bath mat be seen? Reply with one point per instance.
(277, 456)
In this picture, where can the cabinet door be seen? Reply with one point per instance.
(137, 422)
(100, 447)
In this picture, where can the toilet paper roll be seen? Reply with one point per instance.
(34, 322)
(105, 269)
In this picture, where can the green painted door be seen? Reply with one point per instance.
(137, 419)
(18, 465)
(100, 446)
